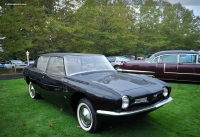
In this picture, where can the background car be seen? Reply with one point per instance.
(131, 57)
(89, 85)
(15, 64)
(2, 66)
(116, 61)
(31, 62)
(140, 58)
(178, 65)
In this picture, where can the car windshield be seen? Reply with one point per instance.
(87, 63)
(122, 58)
(17, 62)
(150, 58)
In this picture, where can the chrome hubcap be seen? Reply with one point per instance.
(31, 90)
(85, 116)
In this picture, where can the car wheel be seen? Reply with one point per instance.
(33, 94)
(87, 117)
(116, 67)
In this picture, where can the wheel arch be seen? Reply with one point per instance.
(75, 99)
(28, 80)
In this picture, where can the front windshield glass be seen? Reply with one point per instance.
(17, 62)
(87, 63)
(150, 58)
(123, 58)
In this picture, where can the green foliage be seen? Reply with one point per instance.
(103, 27)
(98, 26)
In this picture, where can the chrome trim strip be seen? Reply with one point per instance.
(188, 74)
(152, 107)
(138, 71)
(164, 67)
(135, 71)
(183, 73)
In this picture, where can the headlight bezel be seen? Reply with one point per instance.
(125, 102)
(165, 92)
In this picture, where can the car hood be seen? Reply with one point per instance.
(124, 84)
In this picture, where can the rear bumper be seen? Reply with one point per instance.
(148, 108)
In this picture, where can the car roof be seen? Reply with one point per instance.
(68, 54)
(176, 51)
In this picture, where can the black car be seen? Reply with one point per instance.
(93, 88)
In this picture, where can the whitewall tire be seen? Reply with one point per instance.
(87, 117)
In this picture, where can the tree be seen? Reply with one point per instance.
(102, 26)
(110, 27)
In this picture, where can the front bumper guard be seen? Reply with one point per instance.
(148, 108)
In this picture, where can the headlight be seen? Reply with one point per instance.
(165, 92)
(125, 102)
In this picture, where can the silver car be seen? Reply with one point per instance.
(15, 64)
(116, 61)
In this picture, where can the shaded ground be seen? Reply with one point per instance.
(11, 76)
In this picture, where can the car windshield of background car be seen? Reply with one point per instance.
(17, 62)
(111, 59)
(150, 58)
(80, 64)
(122, 59)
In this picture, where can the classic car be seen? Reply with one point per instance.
(116, 61)
(131, 57)
(31, 62)
(15, 64)
(181, 65)
(92, 88)
(2, 66)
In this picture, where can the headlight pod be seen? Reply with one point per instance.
(125, 102)
(165, 92)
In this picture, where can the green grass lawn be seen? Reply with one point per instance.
(22, 116)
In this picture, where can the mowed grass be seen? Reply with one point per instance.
(22, 116)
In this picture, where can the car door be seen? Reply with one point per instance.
(52, 81)
(8, 64)
(188, 67)
(38, 72)
(167, 66)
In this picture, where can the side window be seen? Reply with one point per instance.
(42, 63)
(187, 58)
(56, 66)
(199, 59)
(155, 60)
(168, 58)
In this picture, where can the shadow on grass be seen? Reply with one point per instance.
(134, 123)
(182, 82)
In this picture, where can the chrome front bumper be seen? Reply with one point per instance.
(148, 108)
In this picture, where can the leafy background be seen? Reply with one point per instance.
(109, 27)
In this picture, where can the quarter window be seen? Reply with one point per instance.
(42, 63)
(187, 58)
(168, 58)
(56, 66)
